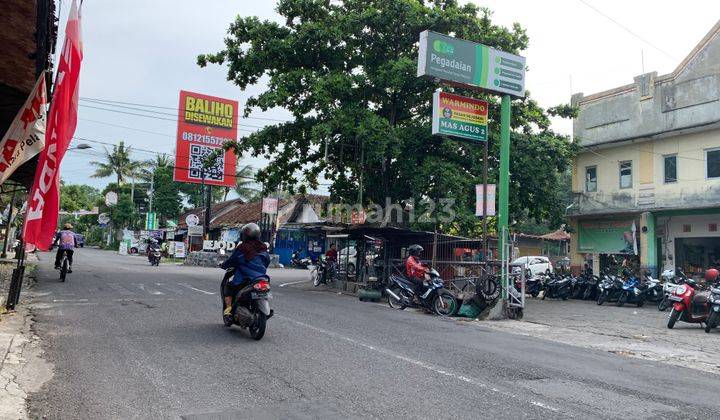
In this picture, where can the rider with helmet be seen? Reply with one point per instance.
(711, 276)
(415, 270)
(250, 260)
(66, 241)
(153, 245)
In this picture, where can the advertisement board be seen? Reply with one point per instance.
(179, 249)
(470, 64)
(459, 116)
(607, 237)
(269, 205)
(205, 123)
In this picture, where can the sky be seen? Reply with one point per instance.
(144, 52)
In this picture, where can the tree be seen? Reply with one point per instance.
(78, 197)
(347, 73)
(123, 214)
(118, 163)
(167, 201)
(244, 184)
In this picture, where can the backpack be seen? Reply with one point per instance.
(67, 238)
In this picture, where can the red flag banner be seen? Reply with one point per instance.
(205, 123)
(26, 136)
(44, 198)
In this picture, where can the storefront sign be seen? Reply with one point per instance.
(195, 230)
(215, 245)
(270, 205)
(205, 123)
(459, 116)
(179, 249)
(470, 64)
(607, 237)
(151, 220)
(490, 200)
(192, 219)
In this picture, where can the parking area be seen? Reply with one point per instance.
(628, 331)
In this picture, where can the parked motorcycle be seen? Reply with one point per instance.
(633, 291)
(325, 272)
(251, 306)
(654, 292)
(435, 298)
(298, 262)
(557, 287)
(690, 303)
(609, 288)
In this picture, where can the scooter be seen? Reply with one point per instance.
(654, 292)
(690, 304)
(714, 302)
(632, 291)
(155, 257)
(251, 306)
(557, 287)
(609, 288)
(298, 262)
(401, 294)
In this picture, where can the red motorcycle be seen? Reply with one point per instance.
(689, 304)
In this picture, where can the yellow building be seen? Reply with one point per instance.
(646, 182)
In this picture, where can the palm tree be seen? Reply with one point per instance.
(118, 163)
(244, 184)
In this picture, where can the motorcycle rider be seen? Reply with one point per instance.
(66, 241)
(250, 260)
(415, 269)
(332, 254)
(152, 247)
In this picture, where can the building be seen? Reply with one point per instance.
(646, 182)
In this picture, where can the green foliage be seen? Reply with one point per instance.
(245, 186)
(78, 197)
(123, 214)
(347, 72)
(118, 163)
(167, 201)
(564, 111)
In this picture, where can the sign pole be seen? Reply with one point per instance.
(505, 114)
(484, 212)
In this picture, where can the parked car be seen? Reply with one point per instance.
(537, 265)
(347, 257)
(138, 247)
(80, 240)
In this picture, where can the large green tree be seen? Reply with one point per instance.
(78, 197)
(167, 201)
(346, 70)
(119, 163)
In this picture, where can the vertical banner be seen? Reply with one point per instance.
(26, 136)
(490, 199)
(44, 197)
(204, 124)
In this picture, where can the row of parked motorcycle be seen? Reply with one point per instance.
(690, 301)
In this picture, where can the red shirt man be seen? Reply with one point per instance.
(332, 253)
(414, 268)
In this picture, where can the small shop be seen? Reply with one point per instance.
(689, 241)
(606, 243)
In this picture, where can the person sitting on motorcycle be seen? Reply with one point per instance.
(66, 241)
(250, 260)
(414, 269)
(152, 246)
(332, 254)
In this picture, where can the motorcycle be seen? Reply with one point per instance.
(298, 262)
(654, 292)
(325, 272)
(671, 282)
(401, 295)
(155, 257)
(251, 306)
(714, 301)
(609, 288)
(690, 304)
(632, 291)
(557, 287)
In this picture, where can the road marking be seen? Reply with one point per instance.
(418, 363)
(148, 290)
(294, 282)
(69, 300)
(197, 290)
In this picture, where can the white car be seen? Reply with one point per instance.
(348, 255)
(537, 265)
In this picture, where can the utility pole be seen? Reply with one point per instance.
(151, 193)
(484, 210)
(207, 191)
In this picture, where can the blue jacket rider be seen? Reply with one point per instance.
(250, 260)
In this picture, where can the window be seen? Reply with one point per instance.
(713, 163)
(591, 179)
(670, 168)
(626, 174)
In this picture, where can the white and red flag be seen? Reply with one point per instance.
(26, 136)
(44, 198)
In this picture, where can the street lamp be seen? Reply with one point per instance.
(81, 146)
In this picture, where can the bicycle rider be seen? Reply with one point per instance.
(66, 241)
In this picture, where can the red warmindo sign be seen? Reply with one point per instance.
(204, 124)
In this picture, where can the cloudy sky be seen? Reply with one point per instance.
(143, 52)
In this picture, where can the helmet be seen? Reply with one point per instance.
(250, 231)
(712, 275)
(67, 226)
(415, 250)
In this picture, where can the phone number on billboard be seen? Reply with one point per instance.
(204, 138)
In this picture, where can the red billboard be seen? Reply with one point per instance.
(204, 124)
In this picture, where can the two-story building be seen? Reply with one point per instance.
(646, 182)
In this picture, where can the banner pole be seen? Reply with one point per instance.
(505, 114)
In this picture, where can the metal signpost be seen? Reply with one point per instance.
(476, 66)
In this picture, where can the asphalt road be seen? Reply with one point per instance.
(132, 341)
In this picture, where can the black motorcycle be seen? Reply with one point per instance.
(557, 287)
(435, 298)
(714, 301)
(154, 257)
(325, 272)
(251, 306)
(298, 262)
(609, 288)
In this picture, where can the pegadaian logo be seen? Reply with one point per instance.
(443, 47)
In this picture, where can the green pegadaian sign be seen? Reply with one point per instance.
(468, 63)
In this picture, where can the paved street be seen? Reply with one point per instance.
(132, 341)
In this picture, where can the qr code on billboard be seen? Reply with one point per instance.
(198, 155)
